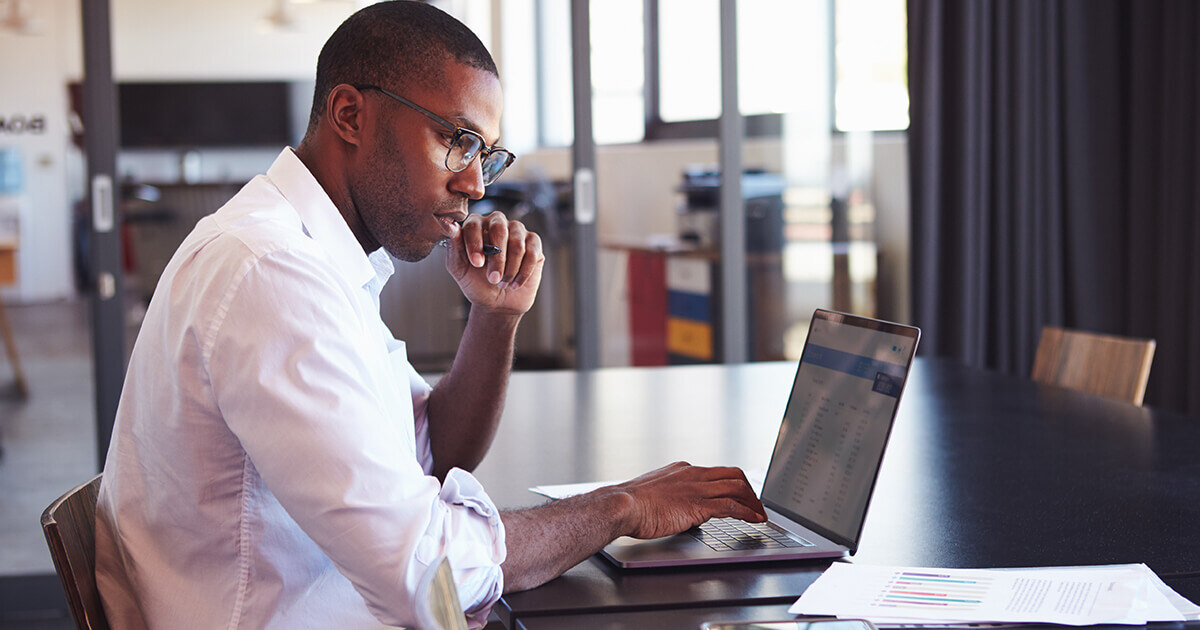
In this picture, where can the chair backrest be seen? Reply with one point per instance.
(1106, 365)
(438, 607)
(70, 527)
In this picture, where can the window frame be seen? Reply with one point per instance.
(756, 125)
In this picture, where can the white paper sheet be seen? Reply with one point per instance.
(1189, 610)
(564, 490)
(1118, 594)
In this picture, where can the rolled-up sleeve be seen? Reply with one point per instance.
(315, 402)
(481, 588)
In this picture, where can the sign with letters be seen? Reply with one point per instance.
(16, 124)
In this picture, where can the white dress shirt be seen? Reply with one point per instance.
(270, 462)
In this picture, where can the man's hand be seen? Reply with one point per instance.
(547, 540)
(679, 496)
(506, 282)
(464, 408)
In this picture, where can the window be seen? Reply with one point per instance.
(618, 105)
(689, 60)
(870, 89)
(872, 66)
(536, 66)
(669, 84)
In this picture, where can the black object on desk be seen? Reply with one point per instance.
(982, 470)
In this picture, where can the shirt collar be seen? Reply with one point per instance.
(383, 268)
(322, 220)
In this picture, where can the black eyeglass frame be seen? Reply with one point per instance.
(484, 153)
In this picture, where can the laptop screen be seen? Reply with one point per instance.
(837, 422)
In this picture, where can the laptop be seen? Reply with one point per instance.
(826, 458)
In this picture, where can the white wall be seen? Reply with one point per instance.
(32, 67)
(220, 40)
(160, 40)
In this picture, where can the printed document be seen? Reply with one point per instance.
(1117, 594)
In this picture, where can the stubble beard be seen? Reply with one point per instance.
(385, 206)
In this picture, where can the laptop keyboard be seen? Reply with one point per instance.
(731, 534)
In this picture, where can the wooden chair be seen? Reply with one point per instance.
(70, 527)
(1106, 365)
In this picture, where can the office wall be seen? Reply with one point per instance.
(636, 198)
(219, 39)
(34, 108)
(227, 40)
(636, 183)
(152, 41)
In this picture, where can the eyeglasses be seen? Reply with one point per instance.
(465, 144)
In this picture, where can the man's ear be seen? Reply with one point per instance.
(344, 113)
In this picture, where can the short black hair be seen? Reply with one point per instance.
(394, 44)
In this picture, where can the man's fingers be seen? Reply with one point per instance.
(739, 492)
(730, 488)
(722, 472)
(732, 508)
(679, 495)
(472, 239)
(515, 255)
(658, 474)
(497, 232)
(505, 278)
(531, 261)
(695, 483)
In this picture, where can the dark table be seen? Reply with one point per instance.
(982, 470)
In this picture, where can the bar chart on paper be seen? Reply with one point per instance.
(1125, 594)
(909, 591)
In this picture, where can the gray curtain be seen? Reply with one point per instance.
(1055, 164)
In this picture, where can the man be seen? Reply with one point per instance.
(276, 462)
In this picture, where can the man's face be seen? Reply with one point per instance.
(405, 196)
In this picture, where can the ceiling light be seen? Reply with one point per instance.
(280, 17)
(18, 20)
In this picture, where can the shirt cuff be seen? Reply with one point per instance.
(475, 552)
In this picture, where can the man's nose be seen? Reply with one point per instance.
(469, 181)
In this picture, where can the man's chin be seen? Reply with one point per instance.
(411, 252)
